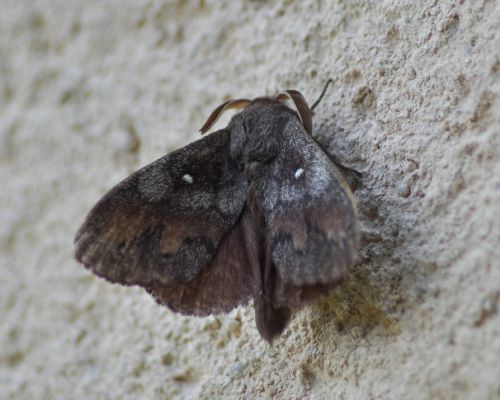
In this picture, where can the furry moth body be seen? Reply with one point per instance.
(253, 211)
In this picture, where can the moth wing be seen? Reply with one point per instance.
(309, 211)
(225, 284)
(162, 225)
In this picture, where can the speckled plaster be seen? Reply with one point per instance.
(91, 91)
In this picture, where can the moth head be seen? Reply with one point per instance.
(304, 111)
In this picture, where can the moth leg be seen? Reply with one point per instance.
(346, 169)
(351, 175)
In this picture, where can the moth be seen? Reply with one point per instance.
(255, 210)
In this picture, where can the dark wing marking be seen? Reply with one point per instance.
(162, 225)
(309, 211)
(225, 284)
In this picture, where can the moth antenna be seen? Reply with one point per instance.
(322, 94)
(215, 115)
(305, 113)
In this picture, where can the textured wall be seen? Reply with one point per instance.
(90, 91)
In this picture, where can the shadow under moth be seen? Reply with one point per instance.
(255, 210)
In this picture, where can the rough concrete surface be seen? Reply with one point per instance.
(92, 90)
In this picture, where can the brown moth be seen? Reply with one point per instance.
(255, 210)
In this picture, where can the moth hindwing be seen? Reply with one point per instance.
(255, 210)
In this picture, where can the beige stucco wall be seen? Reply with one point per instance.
(92, 90)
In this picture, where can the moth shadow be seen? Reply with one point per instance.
(352, 309)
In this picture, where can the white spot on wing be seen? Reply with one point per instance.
(187, 178)
(299, 172)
